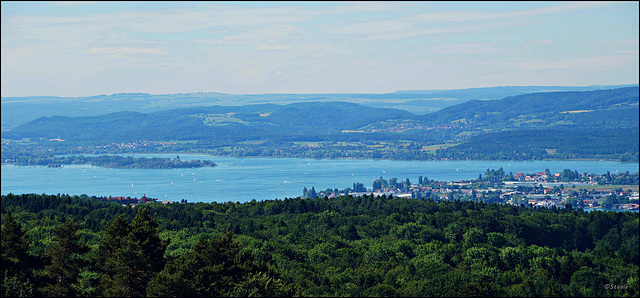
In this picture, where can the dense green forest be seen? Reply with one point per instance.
(108, 161)
(620, 144)
(61, 245)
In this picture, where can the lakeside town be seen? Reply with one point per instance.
(542, 189)
(608, 191)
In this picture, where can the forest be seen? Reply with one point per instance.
(62, 245)
(620, 144)
(602, 108)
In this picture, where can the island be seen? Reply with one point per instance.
(107, 161)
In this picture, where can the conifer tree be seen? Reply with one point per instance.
(216, 268)
(16, 262)
(145, 237)
(130, 255)
(109, 261)
(66, 262)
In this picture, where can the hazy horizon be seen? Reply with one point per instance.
(337, 93)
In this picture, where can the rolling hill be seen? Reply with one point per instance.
(599, 108)
(529, 126)
(238, 123)
(19, 110)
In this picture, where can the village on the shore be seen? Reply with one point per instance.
(619, 191)
(542, 189)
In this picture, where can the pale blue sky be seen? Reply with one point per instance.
(92, 48)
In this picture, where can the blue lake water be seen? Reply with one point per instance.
(245, 179)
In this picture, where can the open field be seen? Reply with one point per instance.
(433, 148)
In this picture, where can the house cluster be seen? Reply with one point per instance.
(127, 145)
(414, 193)
(538, 177)
(537, 190)
(595, 199)
(405, 125)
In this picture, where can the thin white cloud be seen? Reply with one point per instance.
(419, 31)
(267, 34)
(374, 27)
(71, 3)
(271, 47)
(538, 42)
(128, 51)
(628, 52)
(593, 63)
(448, 22)
(471, 16)
(474, 48)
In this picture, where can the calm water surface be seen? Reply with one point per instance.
(245, 179)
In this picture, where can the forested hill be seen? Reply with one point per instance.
(621, 144)
(611, 108)
(20, 110)
(614, 108)
(236, 123)
(347, 130)
(600, 124)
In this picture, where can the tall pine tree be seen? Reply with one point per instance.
(17, 265)
(66, 260)
(130, 255)
(216, 268)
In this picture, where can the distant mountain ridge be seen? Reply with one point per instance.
(19, 110)
(505, 91)
(235, 122)
(612, 108)
(574, 124)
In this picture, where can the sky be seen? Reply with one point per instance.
(93, 48)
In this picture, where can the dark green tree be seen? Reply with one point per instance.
(215, 268)
(130, 255)
(66, 260)
(16, 262)
(109, 259)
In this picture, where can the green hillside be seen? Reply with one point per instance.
(620, 144)
(608, 108)
(20, 110)
(599, 124)
(211, 123)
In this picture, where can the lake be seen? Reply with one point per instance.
(245, 179)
